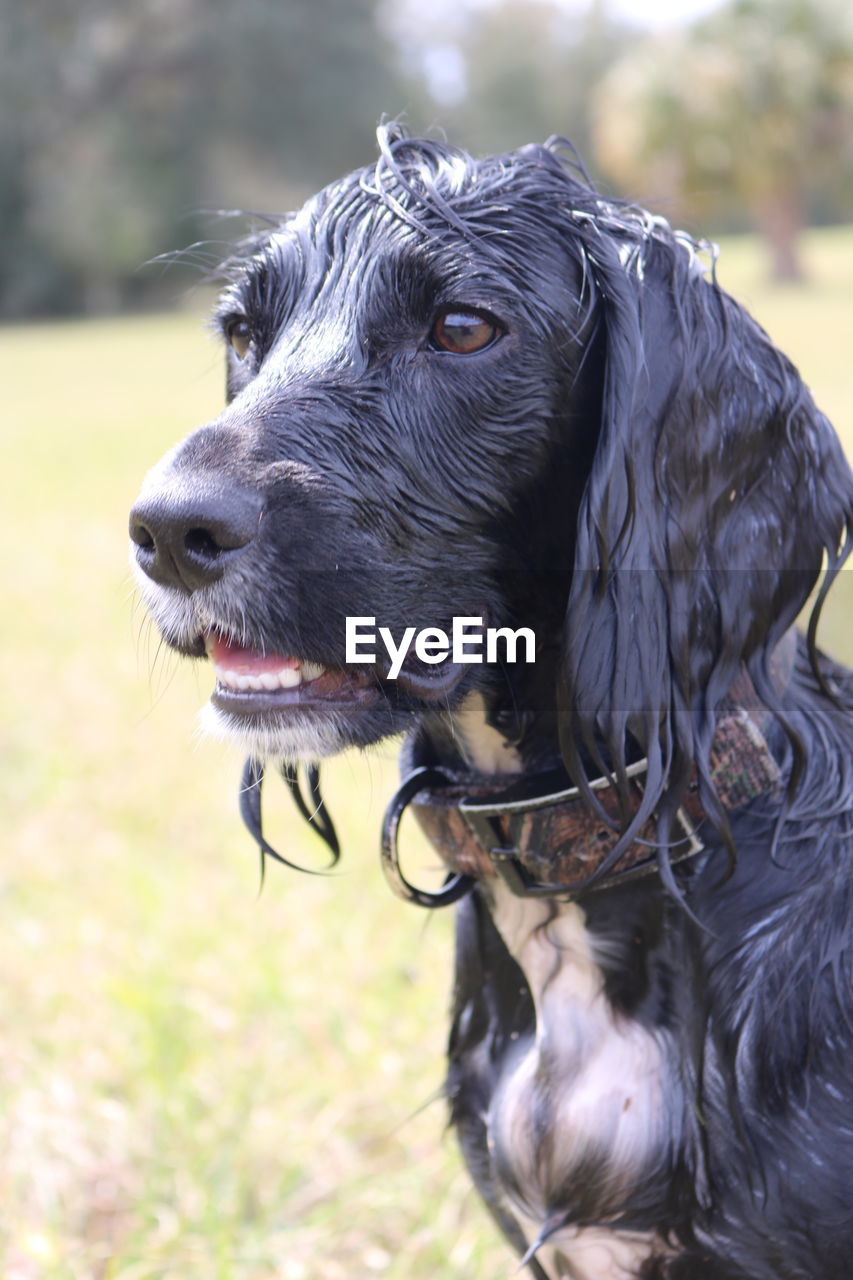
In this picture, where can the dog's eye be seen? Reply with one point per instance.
(464, 332)
(239, 333)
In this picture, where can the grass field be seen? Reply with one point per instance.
(199, 1081)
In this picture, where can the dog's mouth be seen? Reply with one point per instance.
(249, 681)
(252, 682)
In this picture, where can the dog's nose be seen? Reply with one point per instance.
(187, 540)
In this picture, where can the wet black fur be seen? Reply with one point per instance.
(635, 471)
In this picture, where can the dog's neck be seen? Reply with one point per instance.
(491, 734)
(481, 745)
(515, 731)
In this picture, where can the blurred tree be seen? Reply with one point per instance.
(121, 118)
(531, 71)
(510, 72)
(754, 104)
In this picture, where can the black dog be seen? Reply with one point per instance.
(462, 389)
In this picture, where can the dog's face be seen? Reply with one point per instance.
(476, 389)
(400, 398)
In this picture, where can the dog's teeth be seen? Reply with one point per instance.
(312, 670)
(269, 681)
(289, 677)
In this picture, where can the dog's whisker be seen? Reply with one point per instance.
(438, 1095)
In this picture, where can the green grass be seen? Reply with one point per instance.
(197, 1080)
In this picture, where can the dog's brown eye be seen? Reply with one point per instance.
(464, 332)
(239, 334)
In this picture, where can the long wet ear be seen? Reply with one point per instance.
(716, 492)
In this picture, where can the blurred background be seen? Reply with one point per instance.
(123, 122)
(198, 1079)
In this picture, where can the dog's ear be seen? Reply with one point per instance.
(716, 492)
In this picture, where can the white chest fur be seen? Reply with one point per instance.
(593, 1253)
(588, 1087)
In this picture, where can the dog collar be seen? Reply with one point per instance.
(546, 842)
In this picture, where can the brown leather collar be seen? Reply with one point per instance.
(545, 842)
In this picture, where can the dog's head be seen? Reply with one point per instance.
(464, 388)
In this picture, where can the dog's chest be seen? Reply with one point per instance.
(594, 1253)
(581, 1102)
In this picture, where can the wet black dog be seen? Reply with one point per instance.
(464, 388)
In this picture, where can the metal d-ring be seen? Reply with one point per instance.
(456, 885)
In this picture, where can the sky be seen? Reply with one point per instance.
(645, 13)
(443, 62)
(649, 13)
